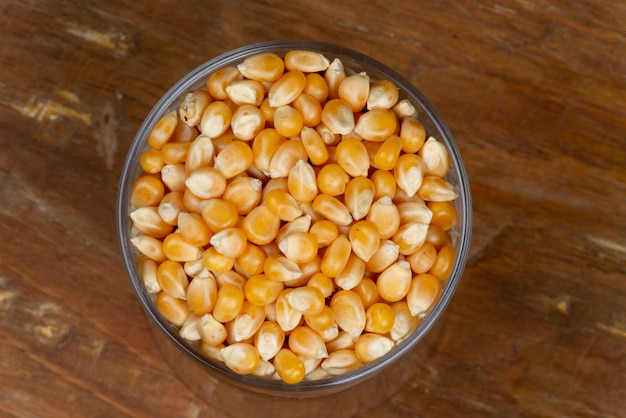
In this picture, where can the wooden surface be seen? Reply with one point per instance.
(534, 92)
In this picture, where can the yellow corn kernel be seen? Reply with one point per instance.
(376, 125)
(423, 293)
(170, 207)
(436, 158)
(404, 323)
(300, 247)
(442, 267)
(349, 311)
(330, 333)
(332, 209)
(343, 341)
(206, 183)
(147, 220)
(341, 362)
(306, 61)
(330, 139)
(336, 256)
(334, 75)
(371, 347)
(437, 236)
(268, 112)
(351, 274)
(311, 365)
(379, 318)
(358, 197)
(322, 320)
(176, 248)
(413, 135)
(201, 153)
(193, 229)
(410, 237)
(384, 184)
(316, 87)
(162, 131)
(212, 332)
(393, 283)
(269, 339)
(247, 122)
(219, 214)
(247, 321)
(216, 262)
(414, 211)
(383, 95)
(443, 214)
(244, 193)
(282, 205)
(309, 108)
(337, 116)
(148, 273)
(149, 246)
(147, 190)
(323, 283)
(352, 156)
(355, 89)
(175, 152)
(385, 215)
(307, 343)
(246, 92)
(261, 225)
(251, 261)
(242, 358)
(364, 239)
(386, 254)
(173, 279)
(234, 159)
(436, 189)
(266, 66)
(261, 291)
(287, 317)
(324, 231)
(367, 291)
(220, 78)
(264, 146)
(184, 133)
(279, 268)
(286, 88)
(151, 161)
(289, 367)
(174, 177)
(308, 269)
(423, 259)
(409, 173)
(189, 330)
(302, 183)
(230, 242)
(388, 153)
(405, 109)
(229, 302)
(307, 300)
(332, 180)
(192, 106)
(285, 158)
(314, 145)
(216, 119)
(174, 310)
(288, 122)
(202, 294)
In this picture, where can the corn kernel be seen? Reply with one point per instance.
(336, 256)
(405, 109)
(306, 61)
(215, 261)
(176, 248)
(174, 177)
(233, 159)
(332, 209)
(423, 259)
(385, 215)
(384, 184)
(410, 237)
(352, 273)
(149, 246)
(147, 191)
(332, 180)
(242, 358)
(219, 214)
(353, 157)
(383, 95)
(330, 333)
(437, 236)
(330, 138)
(220, 78)
(247, 322)
(300, 247)
(388, 153)
(211, 331)
(307, 343)
(309, 108)
(261, 291)
(148, 273)
(404, 323)
(316, 87)
(423, 293)
(172, 279)
(229, 301)
(338, 117)
(444, 262)
(174, 310)
(358, 197)
(193, 229)
(244, 193)
(200, 154)
(189, 329)
(269, 339)
(343, 341)
(341, 362)
(323, 283)
(306, 300)
(302, 183)
(286, 88)
(314, 146)
(367, 291)
(246, 92)
(162, 131)
(413, 135)
(148, 221)
(349, 311)
(414, 211)
(393, 283)
(409, 173)
(202, 294)
(379, 318)
(371, 347)
(300, 224)
(285, 158)
(436, 189)
(281, 269)
(151, 161)
(324, 231)
(230, 242)
(287, 317)
(213, 352)
(377, 125)
(266, 66)
(250, 262)
(261, 225)
(247, 122)
(334, 75)
(364, 239)
(216, 119)
(192, 106)
(354, 89)
(436, 158)
(288, 366)
(206, 182)
(264, 146)
(288, 122)
(175, 152)
(321, 320)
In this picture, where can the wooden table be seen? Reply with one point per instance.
(534, 93)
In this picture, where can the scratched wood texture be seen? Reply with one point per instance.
(534, 92)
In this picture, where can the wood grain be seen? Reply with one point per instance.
(534, 93)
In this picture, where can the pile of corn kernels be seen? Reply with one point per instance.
(293, 218)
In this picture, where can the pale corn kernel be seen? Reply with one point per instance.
(192, 106)
(216, 262)
(195, 268)
(261, 225)
(302, 183)
(173, 279)
(147, 190)
(334, 75)
(336, 256)
(353, 157)
(436, 158)
(321, 320)
(317, 374)
(270, 311)
(383, 94)
(148, 273)
(423, 293)
(234, 159)
(307, 343)
(316, 87)
(247, 322)
(176, 248)
(330, 139)
(261, 291)
(247, 122)
(148, 221)
(410, 237)
(231, 277)
(379, 318)
(309, 108)
(244, 193)
(437, 236)
(202, 294)
(230, 242)
(265, 369)
(330, 333)
(170, 207)
(300, 247)
(266, 66)
(264, 146)
(151, 161)
(250, 262)
(405, 109)
(332, 179)
(306, 61)
(268, 112)
(219, 214)
(246, 92)
(175, 152)
(386, 254)
(349, 311)
(325, 232)
(367, 291)
(423, 258)
(269, 339)
(310, 364)
(174, 310)
(189, 330)
(332, 209)
(414, 211)
(388, 153)
(337, 116)
(220, 78)
(300, 224)
(221, 141)
(385, 215)
(341, 362)
(174, 177)
(193, 229)
(393, 283)
(413, 135)
(444, 262)
(371, 347)
(359, 196)
(384, 184)
(212, 352)
(307, 210)
(184, 133)
(200, 154)
(409, 173)
(242, 358)
(404, 323)
(352, 273)
(216, 119)
(229, 301)
(282, 205)
(309, 269)
(376, 125)
(288, 122)
(211, 331)
(162, 131)
(286, 88)
(285, 158)
(149, 246)
(307, 300)
(289, 367)
(287, 317)
(323, 283)
(443, 214)
(343, 341)
(314, 146)
(206, 182)
(436, 189)
(280, 268)
(355, 89)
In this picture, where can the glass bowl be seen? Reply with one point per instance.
(213, 380)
